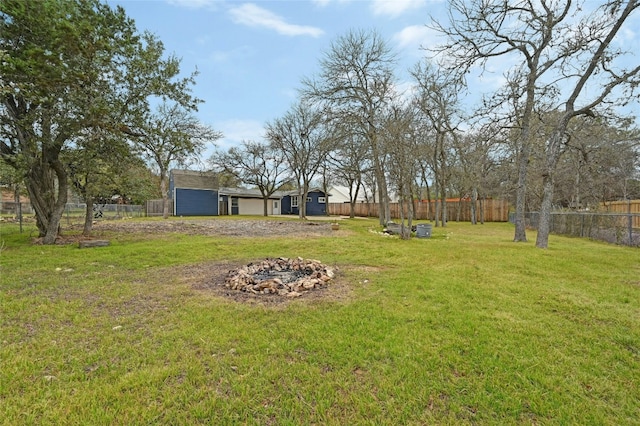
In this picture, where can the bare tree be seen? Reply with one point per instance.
(437, 99)
(564, 50)
(356, 83)
(350, 160)
(601, 69)
(400, 136)
(173, 135)
(477, 153)
(256, 164)
(600, 158)
(305, 139)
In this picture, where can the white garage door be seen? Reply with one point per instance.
(252, 206)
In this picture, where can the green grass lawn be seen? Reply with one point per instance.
(466, 327)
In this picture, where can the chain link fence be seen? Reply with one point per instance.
(614, 228)
(73, 212)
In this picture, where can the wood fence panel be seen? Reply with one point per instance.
(624, 207)
(494, 210)
(154, 208)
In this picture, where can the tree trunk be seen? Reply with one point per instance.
(352, 209)
(302, 203)
(521, 191)
(405, 230)
(544, 222)
(88, 216)
(353, 199)
(474, 201)
(16, 199)
(443, 196)
(438, 205)
(265, 201)
(47, 186)
(554, 151)
(384, 212)
(165, 195)
(325, 189)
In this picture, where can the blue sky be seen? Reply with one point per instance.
(252, 55)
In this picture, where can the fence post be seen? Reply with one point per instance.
(630, 221)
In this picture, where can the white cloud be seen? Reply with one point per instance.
(194, 4)
(395, 8)
(324, 3)
(416, 36)
(254, 16)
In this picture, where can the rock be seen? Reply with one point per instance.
(263, 277)
(93, 243)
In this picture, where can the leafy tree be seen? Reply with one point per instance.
(256, 164)
(90, 169)
(101, 169)
(58, 56)
(70, 66)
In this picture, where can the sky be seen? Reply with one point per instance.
(252, 55)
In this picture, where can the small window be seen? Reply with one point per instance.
(294, 201)
(321, 200)
(309, 199)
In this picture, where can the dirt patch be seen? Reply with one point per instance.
(210, 277)
(235, 228)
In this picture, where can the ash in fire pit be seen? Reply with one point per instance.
(286, 277)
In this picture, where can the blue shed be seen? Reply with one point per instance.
(193, 193)
(316, 203)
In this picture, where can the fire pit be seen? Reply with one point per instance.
(283, 276)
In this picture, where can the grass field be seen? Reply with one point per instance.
(466, 327)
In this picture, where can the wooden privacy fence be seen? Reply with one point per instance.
(457, 211)
(154, 208)
(624, 207)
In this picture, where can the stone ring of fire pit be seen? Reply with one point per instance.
(283, 276)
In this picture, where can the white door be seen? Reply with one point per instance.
(276, 207)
